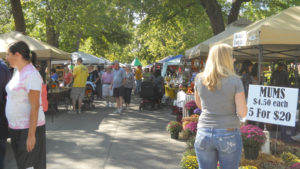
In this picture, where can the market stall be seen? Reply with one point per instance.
(268, 40)
(194, 60)
(45, 54)
(171, 61)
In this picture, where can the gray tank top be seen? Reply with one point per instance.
(218, 107)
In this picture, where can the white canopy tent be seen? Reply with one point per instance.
(43, 50)
(202, 49)
(88, 59)
(275, 37)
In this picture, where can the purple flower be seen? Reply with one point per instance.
(197, 111)
(295, 166)
(191, 105)
(192, 126)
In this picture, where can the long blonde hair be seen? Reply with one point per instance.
(219, 64)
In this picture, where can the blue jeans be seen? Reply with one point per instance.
(2, 152)
(213, 145)
(138, 86)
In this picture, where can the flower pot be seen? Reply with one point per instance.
(251, 153)
(174, 135)
(190, 112)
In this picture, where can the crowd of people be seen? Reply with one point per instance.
(25, 87)
(113, 84)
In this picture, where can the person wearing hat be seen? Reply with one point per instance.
(118, 85)
(128, 85)
(80, 75)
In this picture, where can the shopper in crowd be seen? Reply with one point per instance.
(80, 75)
(158, 86)
(138, 79)
(219, 93)
(128, 85)
(99, 83)
(54, 76)
(27, 120)
(254, 74)
(246, 76)
(147, 76)
(93, 74)
(118, 85)
(280, 77)
(68, 77)
(4, 78)
(94, 78)
(106, 80)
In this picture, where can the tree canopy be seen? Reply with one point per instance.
(125, 29)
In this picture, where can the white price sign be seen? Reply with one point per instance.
(271, 104)
(240, 39)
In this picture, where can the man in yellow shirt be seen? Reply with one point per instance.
(138, 79)
(80, 75)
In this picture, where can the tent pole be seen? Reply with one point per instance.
(296, 71)
(260, 60)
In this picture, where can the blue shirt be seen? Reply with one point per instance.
(119, 75)
(54, 77)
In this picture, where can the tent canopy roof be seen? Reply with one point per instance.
(136, 62)
(174, 58)
(164, 59)
(43, 50)
(202, 49)
(279, 35)
(88, 59)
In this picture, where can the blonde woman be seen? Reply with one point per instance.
(220, 94)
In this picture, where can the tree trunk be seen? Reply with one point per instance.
(214, 12)
(51, 35)
(77, 42)
(235, 9)
(18, 16)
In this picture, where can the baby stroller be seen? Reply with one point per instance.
(89, 95)
(147, 95)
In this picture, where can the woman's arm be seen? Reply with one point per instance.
(34, 99)
(197, 99)
(241, 106)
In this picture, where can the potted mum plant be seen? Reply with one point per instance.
(253, 138)
(191, 106)
(174, 128)
(192, 126)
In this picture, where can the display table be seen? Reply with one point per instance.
(56, 97)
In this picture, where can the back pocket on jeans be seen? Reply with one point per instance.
(227, 144)
(200, 142)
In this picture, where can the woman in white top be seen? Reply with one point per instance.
(24, 111)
